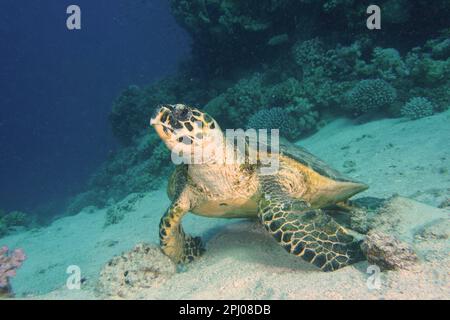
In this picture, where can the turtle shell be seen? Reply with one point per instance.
(306, 158)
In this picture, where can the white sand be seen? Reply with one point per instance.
(411, 158)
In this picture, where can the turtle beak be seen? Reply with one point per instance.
(160, 111)
(161, 123)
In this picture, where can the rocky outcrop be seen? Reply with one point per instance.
(387, 252)
(129, 275)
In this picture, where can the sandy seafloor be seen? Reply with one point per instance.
(394, 156)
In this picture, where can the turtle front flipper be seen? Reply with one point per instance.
(178, 246)
(305, 232)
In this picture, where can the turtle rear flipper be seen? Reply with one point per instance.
(306, 232)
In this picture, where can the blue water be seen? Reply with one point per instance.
(57, 88)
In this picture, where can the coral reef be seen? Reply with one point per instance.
(126, 115)
(11, 220)
(129, 275)
(305, 116)
(239, 102)
(224, 30)
(9, 263)
(237, 105)
(388, 64)
(417, 108)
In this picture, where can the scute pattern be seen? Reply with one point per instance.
(306, 158)
(303, 231)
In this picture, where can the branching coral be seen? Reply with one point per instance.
(440, 48)
(388, 64)
(370, 95)
(275, 118)
(239, 102)
(305, 116)
(426, 70)
(293, 121)
(9, 263)
(309, 54)
(417, 108)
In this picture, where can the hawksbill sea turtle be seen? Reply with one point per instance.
(290, 202)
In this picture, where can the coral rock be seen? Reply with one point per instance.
(387, 252)
(129, 275)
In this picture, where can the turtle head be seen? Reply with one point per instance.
(186, 128)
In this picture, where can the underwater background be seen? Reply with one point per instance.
(58, 85)
(83, 174)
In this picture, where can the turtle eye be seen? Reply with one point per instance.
(164, 116)
(207, 118)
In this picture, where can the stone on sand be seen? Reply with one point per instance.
(387, 252)
(129, 275)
